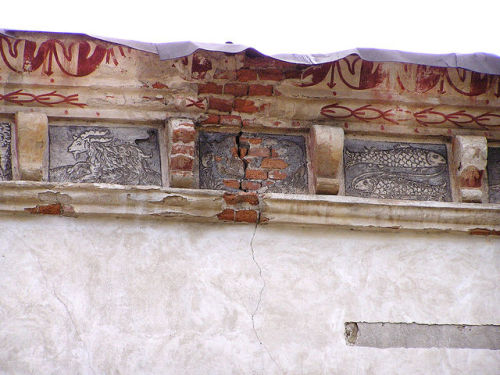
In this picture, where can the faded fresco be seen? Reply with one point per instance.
(414, 171)
(494, 174)
(127, 156)
(5, 155)
(253, 162)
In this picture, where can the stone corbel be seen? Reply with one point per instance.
(326, 150)
(30, 147)
(470, 156)
(181, 136)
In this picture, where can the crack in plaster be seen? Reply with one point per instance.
(68, 312)
(260, 299)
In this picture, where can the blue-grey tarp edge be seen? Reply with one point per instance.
(478, 62)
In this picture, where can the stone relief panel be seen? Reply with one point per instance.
(494, 174)
(253, 162)
(5, 154)
(415, 171)
(121, 155)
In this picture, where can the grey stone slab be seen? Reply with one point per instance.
(116, 155)
(414, 171)
(413, 335)
(494, 174)
(278, 162)
(5, 152)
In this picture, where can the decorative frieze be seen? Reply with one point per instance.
(5, 152)
(494, 174)
(414, 171)
(115, 155)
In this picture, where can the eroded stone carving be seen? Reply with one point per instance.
(494, 174)
(127, 156)
(5, 154)
(396, 170)
(470, 164)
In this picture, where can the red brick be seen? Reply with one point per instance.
(185, 135)
(48, 209)
(243, 152)
(277, 175)
(236, 89)
(212, 119)
(242, 197)
(230, 120)
(274, 164)
(218, 104)
(270, 75)
(209, 88)
(254, 141)
(260, 90)
(293, 74)
(246, 106)
(259, 151)
(246, 216)
(181, 162)
(254, 174)
(233, 184)
(245, 75)
(226, 214)
(250, 185)
(182, 149)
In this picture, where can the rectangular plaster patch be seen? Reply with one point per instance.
(413, 335)
(5, 152)
(415, 171)
(494, 174)
(115, 155)
(252, 162)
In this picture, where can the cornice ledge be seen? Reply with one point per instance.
(148, 202)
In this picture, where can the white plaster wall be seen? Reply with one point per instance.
(83, 296)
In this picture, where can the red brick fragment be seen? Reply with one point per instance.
(253, 141)
(47, 209)
(233, 184)
(277, 175)
(243, 152)
(293, 74)
(246, 216)
(255, 174)
(244, 105)
(260, 90)
(212, 119)
(245, 75)
(182, 149)
(250, 185)
(185, 135)
(181, 163)
(209, 88)
(236, 89)
(274, 164)
(218, 104)
(259, 151)
(159, 85)
(242, 197)
(227, 215)
(230, 120)
(270, 75)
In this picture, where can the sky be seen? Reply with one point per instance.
(293, 26)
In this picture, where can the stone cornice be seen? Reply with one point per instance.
(113, 201)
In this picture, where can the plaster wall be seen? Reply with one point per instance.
(92, 296)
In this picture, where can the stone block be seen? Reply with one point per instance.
(5, 152)
(114, 155)
(31, 141)
(326, 148)
(494, 174)
(414, 171)
(470, 153)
